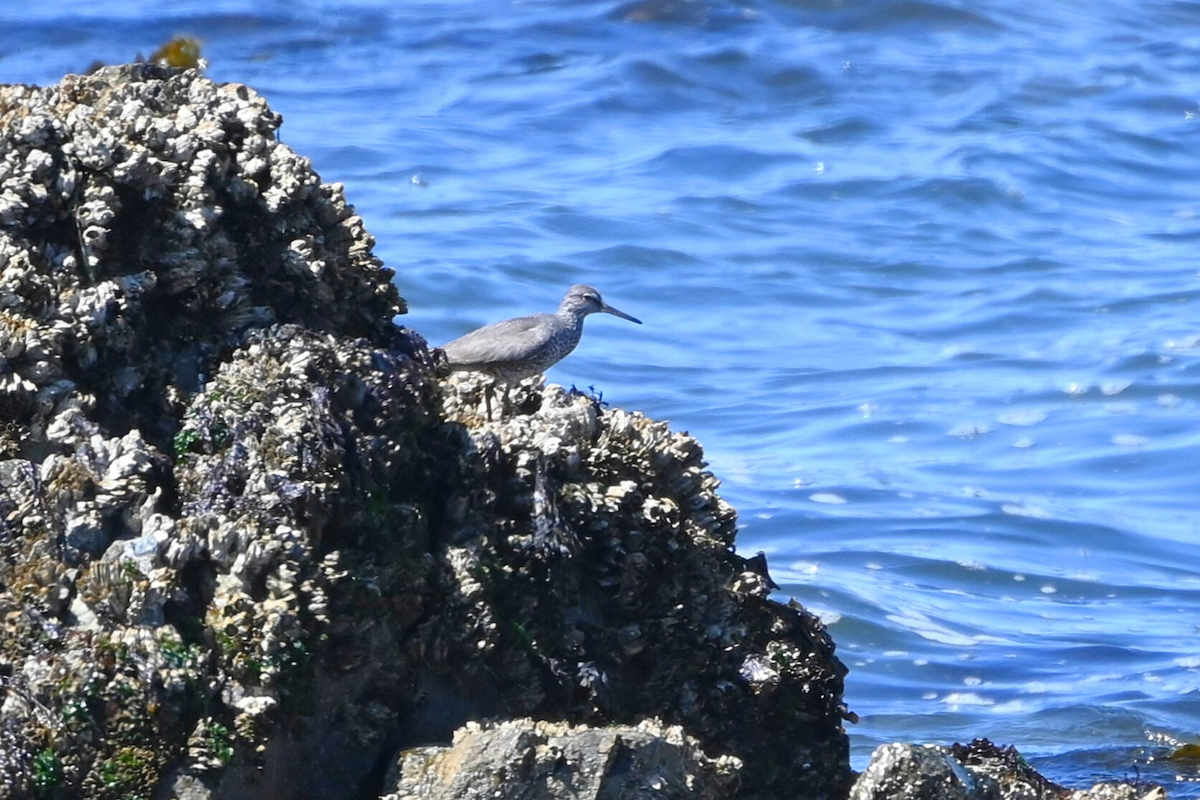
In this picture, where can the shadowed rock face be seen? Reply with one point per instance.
(250, 546)
(610, 592)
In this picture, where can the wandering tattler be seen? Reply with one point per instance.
(519, 348)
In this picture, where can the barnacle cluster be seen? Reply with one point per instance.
(171, 278)
(600, 582)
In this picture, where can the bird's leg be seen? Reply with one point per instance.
(487, 398)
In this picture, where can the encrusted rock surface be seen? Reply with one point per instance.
(592, 559)
(977, 771)
(251, 545)
(528, 760)
(196, 343)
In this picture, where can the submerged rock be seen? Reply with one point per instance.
(977, 771)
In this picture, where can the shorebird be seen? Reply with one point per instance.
(519, 348)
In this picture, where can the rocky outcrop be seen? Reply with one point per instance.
(252, 544)
(607, 591)
(162, 576)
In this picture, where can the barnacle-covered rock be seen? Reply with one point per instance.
(147, 220)
(976, 771)
(596, 581)
(294, 477)
(167, 551)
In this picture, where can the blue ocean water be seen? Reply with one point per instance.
(921, 275)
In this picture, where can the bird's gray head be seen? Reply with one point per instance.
(582, 300)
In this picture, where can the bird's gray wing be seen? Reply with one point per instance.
(502, 342)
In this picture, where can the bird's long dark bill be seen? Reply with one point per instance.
(621, 314)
